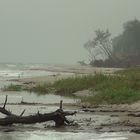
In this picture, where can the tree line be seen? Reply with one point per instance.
(120, 51)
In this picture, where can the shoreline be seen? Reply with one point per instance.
(125, 121)
(118, 118)
(65, 72)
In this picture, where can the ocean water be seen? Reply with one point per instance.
(18, 70)
(9, 71)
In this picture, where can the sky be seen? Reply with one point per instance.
(55, 31)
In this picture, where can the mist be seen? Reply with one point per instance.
(54, 31)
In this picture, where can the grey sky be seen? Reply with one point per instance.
(54, 31)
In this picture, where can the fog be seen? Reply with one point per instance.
(54, 31)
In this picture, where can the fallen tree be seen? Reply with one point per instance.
(58, 116)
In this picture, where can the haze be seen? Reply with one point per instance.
(54, 31)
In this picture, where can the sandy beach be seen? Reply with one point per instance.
(64, 71)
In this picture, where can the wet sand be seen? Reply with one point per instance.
(98, 119)
(103, 118)
(134, 138)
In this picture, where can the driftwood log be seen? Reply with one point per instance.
(58, 116)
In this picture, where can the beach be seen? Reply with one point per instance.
(102, 122)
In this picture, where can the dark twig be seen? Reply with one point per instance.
(22, 113)
(61, 105)
(5, 102)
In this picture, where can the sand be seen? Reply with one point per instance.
(63, 72)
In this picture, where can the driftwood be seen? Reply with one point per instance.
(134, 114)
(58, 116)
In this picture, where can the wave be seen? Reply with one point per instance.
(50, 135)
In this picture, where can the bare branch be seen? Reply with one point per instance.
(5, 102)
(58, 116)
(61, 104)
(22, 113)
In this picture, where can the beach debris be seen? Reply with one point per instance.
(134, 114)
(58, 116)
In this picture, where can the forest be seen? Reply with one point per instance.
(120, 51)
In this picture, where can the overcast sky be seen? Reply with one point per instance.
(54, 31)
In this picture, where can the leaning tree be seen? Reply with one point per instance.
(100, 47)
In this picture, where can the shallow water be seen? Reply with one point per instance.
(54, 135)
(46, 131)
(17, 97)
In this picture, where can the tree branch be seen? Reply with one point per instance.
(58, 116)
(5, 102)
(22, 113)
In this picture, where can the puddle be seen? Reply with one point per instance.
(17, 97)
